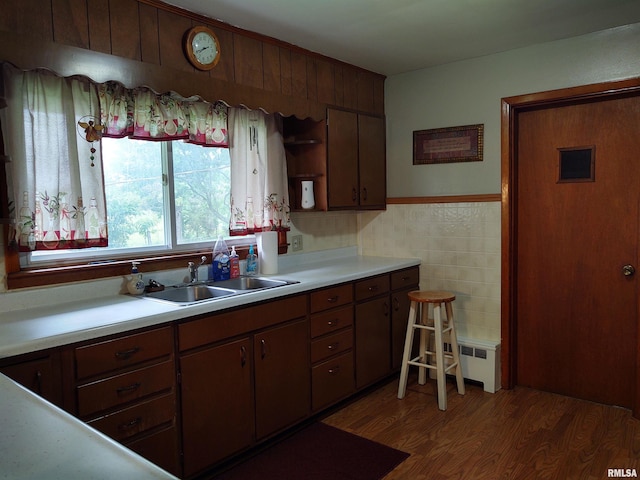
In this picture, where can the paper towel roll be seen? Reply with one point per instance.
(268, 252)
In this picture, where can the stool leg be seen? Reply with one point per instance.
(424, 343)
(440, 377)
(408, 343)
(454, 347)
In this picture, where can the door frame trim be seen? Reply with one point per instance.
(511, 107)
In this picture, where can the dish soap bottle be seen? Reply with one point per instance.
(252, 262)
(234, 264)
(220, 263)
(135, 284)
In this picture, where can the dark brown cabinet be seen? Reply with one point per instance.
(402, 283)
(356, 160)
(244, 376)
(332, 372)
(282, 377)
(126, 388)
(372, 330)
(217, 403)
(40, 373)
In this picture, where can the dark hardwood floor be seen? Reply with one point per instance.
(512, 434)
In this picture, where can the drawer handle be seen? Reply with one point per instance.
(126, 354)
(406, 279)
(396, 304)
(263, 349)
(333, 323)
(129, 388)
(386, 309)
(131, 424)
(335, 370)
(373, 288)
(333, 346)
(333, 299)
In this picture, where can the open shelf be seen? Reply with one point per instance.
(306, 150)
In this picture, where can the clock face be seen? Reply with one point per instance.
(202, 47)
(205, 48)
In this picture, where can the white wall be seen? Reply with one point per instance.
(459, 243)
(469, 92)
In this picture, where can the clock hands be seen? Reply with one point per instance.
(203, 48)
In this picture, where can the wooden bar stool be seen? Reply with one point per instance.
(441, 328)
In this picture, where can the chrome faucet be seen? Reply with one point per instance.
(193, 269)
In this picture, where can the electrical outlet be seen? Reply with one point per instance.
(296, 243)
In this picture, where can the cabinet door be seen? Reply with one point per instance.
(400, 304)
(372, 161)
(282, 377)
(217, 405)
(342, 159)
(40, 375)
(373, 341)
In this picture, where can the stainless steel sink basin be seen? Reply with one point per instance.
(251, 283)
(188, 294)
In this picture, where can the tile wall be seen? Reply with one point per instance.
(459, 246)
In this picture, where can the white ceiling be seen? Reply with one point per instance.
(396, 36)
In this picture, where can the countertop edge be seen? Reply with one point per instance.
(41, 329)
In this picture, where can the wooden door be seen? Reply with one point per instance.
(342, 159)
(576, 310)
(283, 377)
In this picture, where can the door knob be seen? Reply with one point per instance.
(628, 270)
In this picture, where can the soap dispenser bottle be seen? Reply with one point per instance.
(234, 264)
(135, 284)
(252, 262)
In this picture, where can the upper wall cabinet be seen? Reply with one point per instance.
(356, 160)
(345, 161)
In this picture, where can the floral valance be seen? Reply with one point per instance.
(143, 114)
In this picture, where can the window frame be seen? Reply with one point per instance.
(116, 262)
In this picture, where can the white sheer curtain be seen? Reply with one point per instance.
(259, 191)
(55, 178)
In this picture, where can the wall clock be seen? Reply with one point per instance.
(202, 48)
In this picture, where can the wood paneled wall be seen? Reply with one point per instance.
(141, 41)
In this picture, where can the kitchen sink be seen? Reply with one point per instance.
(251, 283)
(190, 294)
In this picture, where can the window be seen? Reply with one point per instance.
(161, 196)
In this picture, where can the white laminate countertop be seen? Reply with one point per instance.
(35, 325)
(40, 441)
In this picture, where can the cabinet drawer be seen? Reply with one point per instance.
(331, 297)
(160, 448)
(122, 352)
(331, 321)
(133, 420)
(330, 345)
(214, 328)
(405, 278)
(121, 389)
(332, 380)
(372, 287)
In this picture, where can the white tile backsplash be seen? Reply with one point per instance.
(459, 246)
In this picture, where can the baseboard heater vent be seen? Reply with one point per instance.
(480, 361)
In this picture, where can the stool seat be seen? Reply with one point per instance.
(442, 329)
(431, 296)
